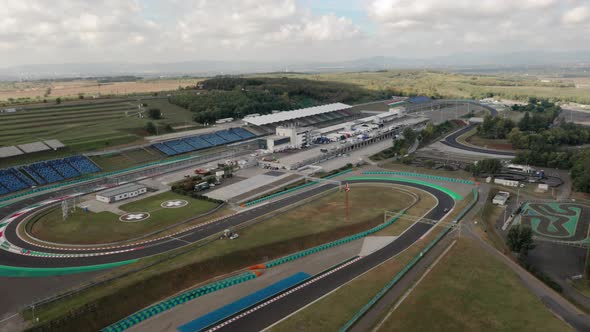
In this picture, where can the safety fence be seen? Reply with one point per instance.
(332, 244)
(168, 304)
(407, 268)
(425, 176)
(266, 198)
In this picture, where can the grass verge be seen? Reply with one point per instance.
(291, 231)
(334, 310)
(469, 290)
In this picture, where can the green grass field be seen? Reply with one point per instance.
(103, 227)
(455, 85)
(294, 230)
(469, 290)
(87, 126)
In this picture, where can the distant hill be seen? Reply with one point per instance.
(518, 61)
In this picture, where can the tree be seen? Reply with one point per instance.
(151, 128)
(155, 113)
(520, 239)
(486, 166)
(410, 135)
(58, 100)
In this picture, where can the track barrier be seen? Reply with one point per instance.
(168, 304)
(407, 268)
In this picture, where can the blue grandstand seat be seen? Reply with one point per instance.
(243, 133)
(179, 146)
(11, 182)
(46, 172)
(22, 177)
(82, 164)
(165, 149)
(197, 142)
(64, 169)
(28, 170)
(213, 139)
(228, 136)
(3, 190)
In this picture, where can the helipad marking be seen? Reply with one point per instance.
(174, 204)
(134, 217)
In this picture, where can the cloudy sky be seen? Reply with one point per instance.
(143, 31)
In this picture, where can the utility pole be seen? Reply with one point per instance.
(346, 190)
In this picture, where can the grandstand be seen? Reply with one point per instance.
(195, 143)
(41, 173)
(305, 117)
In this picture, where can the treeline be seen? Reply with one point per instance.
(541, 142)
(237, 97)
(543, 114)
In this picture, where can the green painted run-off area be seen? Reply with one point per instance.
(447, 191)
(14, 271)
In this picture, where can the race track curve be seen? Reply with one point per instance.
(282, 305)
(76, 257)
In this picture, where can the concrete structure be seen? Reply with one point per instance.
(121, 193)
(296, 114)
(507, 183)
(501, 198)
(54, 144)
(9, 151)
(33, 147)
(289, 138)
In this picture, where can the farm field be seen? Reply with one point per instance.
(37, 89)
(456, 85)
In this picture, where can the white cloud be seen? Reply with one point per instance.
(254, 23)
(41, 31)
(576, 15)
(460, 26)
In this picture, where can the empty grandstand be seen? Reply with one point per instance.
(195, 143)
(41, 173)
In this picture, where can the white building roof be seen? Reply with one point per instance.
(9, 151)
(54, 144)
(127, 188)
(296, 114)
(33, 147)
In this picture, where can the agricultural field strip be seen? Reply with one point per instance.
(60, 120)
(7, 117)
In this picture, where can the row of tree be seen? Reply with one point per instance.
(543, 115)
(236, 97)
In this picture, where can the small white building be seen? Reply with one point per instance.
(501, 198)
(121, 193)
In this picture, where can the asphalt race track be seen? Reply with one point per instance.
(286, 305)
(451, 141)
(104, 255)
